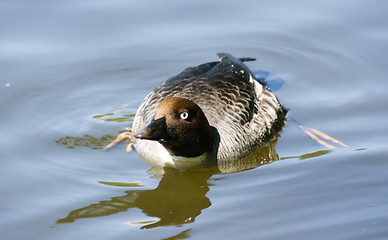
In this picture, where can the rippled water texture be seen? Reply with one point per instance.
(72, 74)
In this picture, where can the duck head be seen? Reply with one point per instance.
(181, 127)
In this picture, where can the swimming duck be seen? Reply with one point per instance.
(212, 113)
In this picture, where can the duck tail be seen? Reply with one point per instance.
(230, 57)
(227, 57)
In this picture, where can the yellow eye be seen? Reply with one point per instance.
(184, 115)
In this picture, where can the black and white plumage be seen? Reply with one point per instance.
(242, 114)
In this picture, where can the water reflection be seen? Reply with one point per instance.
(110, 117)
(97, 142)
(309, 155)
(263, 155)
(180, 196)
(86, 141)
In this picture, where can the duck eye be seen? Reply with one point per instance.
(184, 115)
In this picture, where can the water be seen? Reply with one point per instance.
(73, 73)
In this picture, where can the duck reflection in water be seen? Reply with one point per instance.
(180, 196)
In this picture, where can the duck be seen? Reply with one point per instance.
(213, 113)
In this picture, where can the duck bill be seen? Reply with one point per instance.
(156, 130)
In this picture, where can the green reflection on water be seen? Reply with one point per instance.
(121, 184)
(95, 142)
(106, 117)
(361, 149)
(86, 141)
(103, 208)
(179, 198)
(309, 155)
